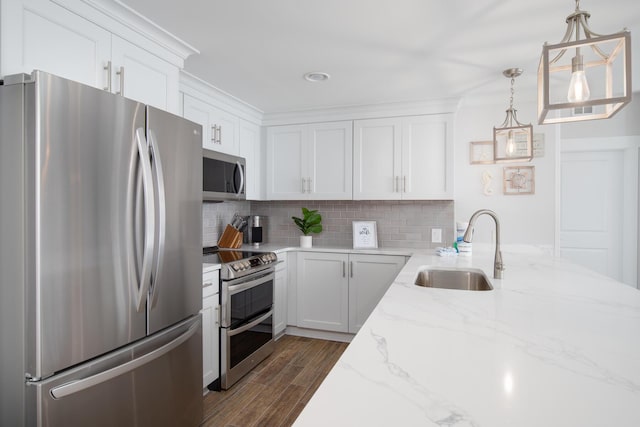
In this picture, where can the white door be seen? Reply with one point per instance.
(144, 77)
(369, 278)
(44, 36)
(376, 159)
(323, 291)
(598, 208)
(198, 111)
(330, 151)
(427, 158)
(226, 140)
(250, 149)
(285, 165)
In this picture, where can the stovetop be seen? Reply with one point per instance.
(237, 263)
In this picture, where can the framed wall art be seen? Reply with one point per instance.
(365, 235)
(481, 153)
(519, 180)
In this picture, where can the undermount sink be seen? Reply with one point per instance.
(467, 279)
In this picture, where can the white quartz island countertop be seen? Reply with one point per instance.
(552, 345)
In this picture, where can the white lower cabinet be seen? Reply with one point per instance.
(338, 291)
(280, 296)
(210, 328)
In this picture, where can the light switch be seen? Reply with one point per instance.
(436, 235)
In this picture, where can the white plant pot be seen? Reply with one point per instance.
(306, 241)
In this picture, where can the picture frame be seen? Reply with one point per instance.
(365, 235)
(481, 153)
(519, 180)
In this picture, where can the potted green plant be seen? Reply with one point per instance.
(309, 223)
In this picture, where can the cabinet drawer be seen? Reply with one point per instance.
(210, 283)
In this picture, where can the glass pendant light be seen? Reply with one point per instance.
(512, 140)
(586, 76)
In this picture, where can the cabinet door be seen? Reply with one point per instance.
(330, 160)
(225, 139)
(251, 150)
(144, 77)
(369, 278)
(427, 157)
(198, 111)
(280, 297)
(41, 35)
(210, 329)
(285, 165)
(377, 159)
(323, 291)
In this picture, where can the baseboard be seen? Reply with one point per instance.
(314, 333)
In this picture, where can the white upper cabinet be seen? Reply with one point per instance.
(251, 150)
(377, 159)
(224, 128)
(408, 158)
(310, 162)
(40, 34)
(142, 76)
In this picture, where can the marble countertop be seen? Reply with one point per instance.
(552, 345)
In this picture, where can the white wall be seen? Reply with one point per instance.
(526, 219)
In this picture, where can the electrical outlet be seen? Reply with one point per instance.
(436, 235)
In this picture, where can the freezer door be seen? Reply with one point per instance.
(176, 161)
(157, 382)
(81, 175)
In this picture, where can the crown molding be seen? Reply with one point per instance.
(356, 112)
(206, 92)
(120, 19)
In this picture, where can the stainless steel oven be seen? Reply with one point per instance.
(246, 311)
(246, 332)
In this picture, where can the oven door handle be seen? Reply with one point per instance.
(234, 289)
(244, 328)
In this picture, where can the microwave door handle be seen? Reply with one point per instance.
(161, 216)
(241, 187)
(149, 220)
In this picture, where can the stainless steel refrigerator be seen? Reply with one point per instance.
(101, 247)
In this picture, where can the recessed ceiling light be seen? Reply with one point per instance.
(316, 76)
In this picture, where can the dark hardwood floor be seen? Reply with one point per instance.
(277, 390)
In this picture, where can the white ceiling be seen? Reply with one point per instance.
(376, 51)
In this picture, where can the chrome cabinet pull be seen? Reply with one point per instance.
(343, 269)
(404, 184)
(214, 131)
(351, 269)
(303, 185)
(107, 68)
(395, 188)
(121, 74)
(309, 185)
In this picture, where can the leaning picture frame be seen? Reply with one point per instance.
(365, 235)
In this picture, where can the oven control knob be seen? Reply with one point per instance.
(235, 267)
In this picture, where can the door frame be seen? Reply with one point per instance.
(630, 146)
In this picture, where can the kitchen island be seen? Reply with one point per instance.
(553, 344)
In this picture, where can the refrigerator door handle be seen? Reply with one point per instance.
(149, 220)
(83, 384)
(161, 216)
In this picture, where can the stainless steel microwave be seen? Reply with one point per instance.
(223, 176)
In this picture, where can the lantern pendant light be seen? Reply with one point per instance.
(586, 76)
(512, 140)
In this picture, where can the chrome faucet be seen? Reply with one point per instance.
(498, 266)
